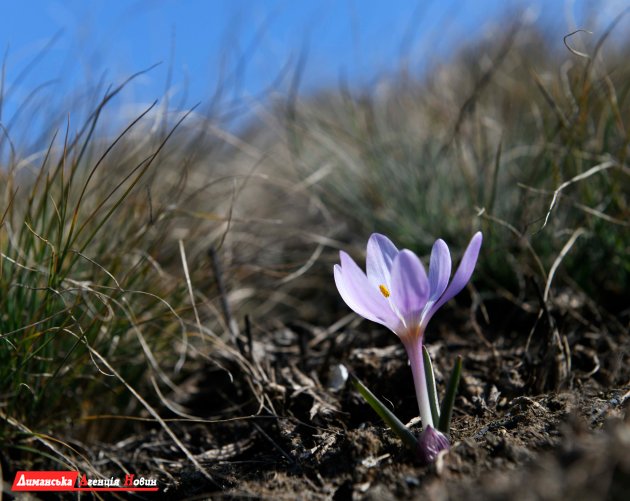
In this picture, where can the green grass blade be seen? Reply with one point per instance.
(386, 415)
(449, 398)
(428, 374)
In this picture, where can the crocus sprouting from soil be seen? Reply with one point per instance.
(397, 293)
(430, 444)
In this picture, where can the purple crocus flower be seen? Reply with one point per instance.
(397, 293)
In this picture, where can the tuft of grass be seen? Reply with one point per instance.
(129, 262)
(94, 312)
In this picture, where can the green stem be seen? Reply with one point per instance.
(428, 372)
(449, 399)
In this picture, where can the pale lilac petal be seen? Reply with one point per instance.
(361, 296)
(462, 275)
(439, 274)
(464, 271)
(379, 259)
(355, 303)
(439, 269)
(410, 286)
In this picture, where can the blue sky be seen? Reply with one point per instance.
(244, 44)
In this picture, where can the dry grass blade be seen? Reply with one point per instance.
(580, 177)
(554, 267)
(571, 49)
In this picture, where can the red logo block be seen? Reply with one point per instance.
(45, 481)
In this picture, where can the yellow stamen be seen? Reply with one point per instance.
(384, 290)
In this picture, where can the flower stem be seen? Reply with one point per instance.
(414, 352)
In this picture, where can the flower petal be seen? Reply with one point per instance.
(439, 269)
(348, 295)
(410, 286)
(464, 270)
(439, 273)
(361, 296)
(462, 275)
(379, 259)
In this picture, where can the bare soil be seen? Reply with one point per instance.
(542, 412)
